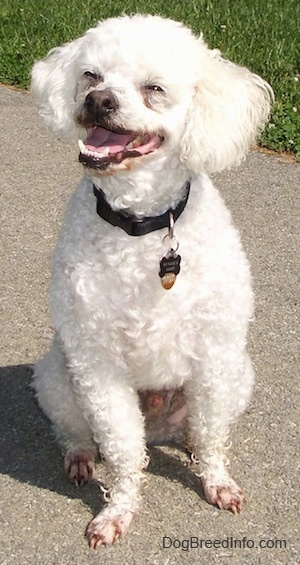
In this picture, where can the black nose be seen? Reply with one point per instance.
(101, 103)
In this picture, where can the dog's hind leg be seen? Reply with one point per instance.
(56, 397)
(165, 413)
(214, 401)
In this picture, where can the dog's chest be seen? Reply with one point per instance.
(116, 298)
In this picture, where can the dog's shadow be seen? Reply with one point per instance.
(29, 453)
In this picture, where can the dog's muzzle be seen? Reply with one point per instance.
(106, 143)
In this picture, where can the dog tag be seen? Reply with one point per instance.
(169, 269)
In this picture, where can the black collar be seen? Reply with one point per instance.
(133, 225)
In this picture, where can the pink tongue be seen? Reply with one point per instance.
(100, 138)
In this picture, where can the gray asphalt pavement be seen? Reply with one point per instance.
(42, 516)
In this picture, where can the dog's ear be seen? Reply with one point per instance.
(231, 105)
(53, 84)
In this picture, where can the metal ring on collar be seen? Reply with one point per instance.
(172, 248)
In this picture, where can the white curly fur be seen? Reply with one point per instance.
(117, 330)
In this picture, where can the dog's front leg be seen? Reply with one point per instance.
(111, 407)
(214, 401)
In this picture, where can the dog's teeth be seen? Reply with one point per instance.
(81, 146)
(129, 145)
(103, 153)
(98, 154)
(138, 141)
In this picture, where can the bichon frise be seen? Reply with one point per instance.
(151, 291)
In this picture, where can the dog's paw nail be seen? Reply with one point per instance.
(79, 466)
(95, 541)
(227, 496)
(107, 528)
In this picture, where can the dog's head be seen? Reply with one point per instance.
(143, 86)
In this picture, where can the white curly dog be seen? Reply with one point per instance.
(143, 352)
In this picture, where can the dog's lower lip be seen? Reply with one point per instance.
(89, 161)
(104, 162)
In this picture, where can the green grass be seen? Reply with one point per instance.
(260, 34)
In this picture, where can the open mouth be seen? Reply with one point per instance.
(103, 147)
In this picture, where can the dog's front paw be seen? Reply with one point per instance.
(227, 495)
(79, 466)
(107, 527)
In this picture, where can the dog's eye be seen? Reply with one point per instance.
(153, 94)
(91, 75)
(154, 88)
